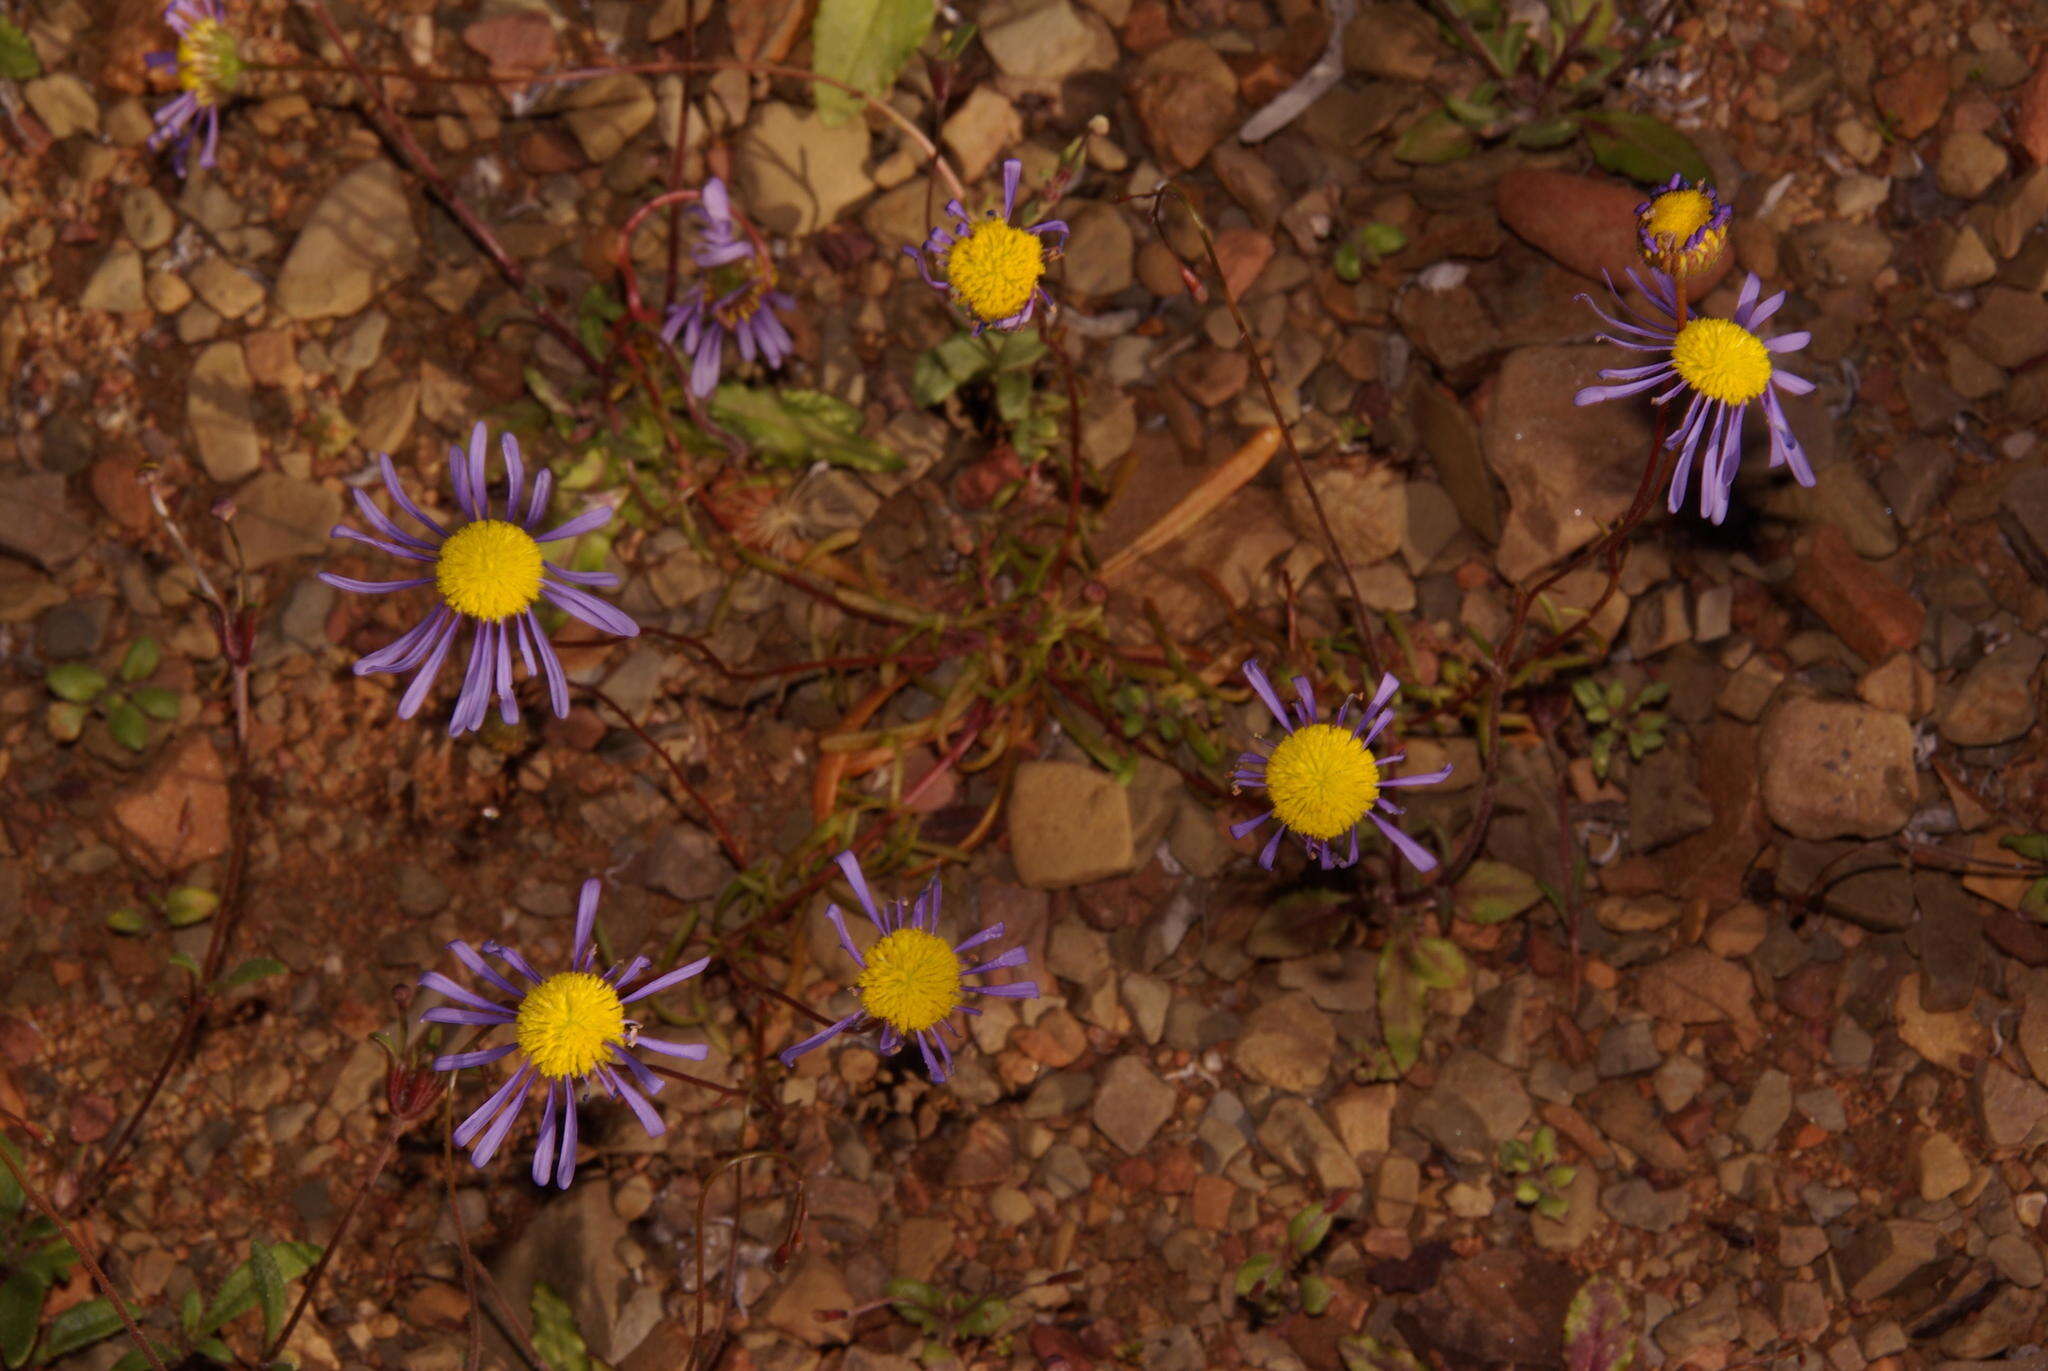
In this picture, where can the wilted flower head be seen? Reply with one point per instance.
(735, 298)
(568, 1029)
(208, 64)
(1683, 228)
(1727, 365)
(487, 571)
(911, 982)
(992, 268)
(1323, 778)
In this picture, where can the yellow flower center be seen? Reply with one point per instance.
(912, 980)
(567, 1021)
(994, 269)
(489, 570)
(209, 64)
(1322, 780)
(1722, 360)
(1677, 215)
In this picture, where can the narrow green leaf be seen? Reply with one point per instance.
(184, 960)
(1599, 1328)
(140, 661)
(1434, 138)
(18, 60)
(255, 969)
(1306, 1230)
(904, 1290)
(798, 427)
(2032, 846)
(75, 681)
(77, 1326)
(128, 726)
(21, 1311)
(188, 905)
(127, 919)
(1439, 964)
(190, 1308)
(985, 1319)
(269, 1287)
(1642, 148)
(1540, 134)
(1493, 892)
(1316, 1295)
(1402, 1014)
(865, 44)
(1255, 1272)
(555, 1335)
(11, 1198)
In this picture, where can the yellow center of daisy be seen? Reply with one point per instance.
(912, 980)
(1722, 360)
(567, 1022)
(1677, 215)
(209, 64)
(994, 269)
(1322, 780)
(489, 570)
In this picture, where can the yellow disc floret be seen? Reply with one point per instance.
(209, 63)
(489, 570)
(1722, 360)
(568, 1022)
(1668, 224)
(912, 980)
(994, 269)
(1322, 780)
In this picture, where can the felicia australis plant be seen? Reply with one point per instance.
(569, 1030)
(1323, 779)
(486, 571)
(208, 65)
(911, 982)
(989, 266)
(736, 299)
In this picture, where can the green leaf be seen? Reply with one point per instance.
(11, 1198)
(1306, 1230)
(77, 1326)
(255, 969)
(554, 1332)
(2032, 846)
(127, 920)
(904, 1290)
(1370, 1354)
(1401, 1008)
(1435, 138)
(865, 44)
(1013, 396)
(795, 428)
(1493, 892)
(1599, 1328)
(188, 905)
(1553, 1207)
(66, 720)
(128, 726)
(1528, 1192)
(1560, 1178)
(190, 1309)
(930, 382)
(1603, 754)
(1642, 148)
(1018, 350)
(214, 1350)
(985, 1319)
(238, 1294)
(1315, 1295)
(269, 1286)
(1477, 107)
(1439, 964)
(1543, 1146)
(76, 682)
(1256, 1272)
(140, 660)
(1553, 132)
(2034, 904)
(17, 57)
(185, 961)
(157, 702)
(21, 1311)
(53, 1262)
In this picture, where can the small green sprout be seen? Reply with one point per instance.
(949, 1320)
(1540, 1180)
(1634, 724)
(1364, 246)
(1270, 1284)
(127, 704)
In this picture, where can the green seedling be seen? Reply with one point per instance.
(127, 704)
(1273, 1284)
(949, 1320)
(2034, 847)
(1540, 1180)
(1363, 247)
(1622, 722)
(1003, 366)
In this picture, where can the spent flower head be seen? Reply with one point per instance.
(1726, 364)
(1683, 228)
(487, 571)
(735, 297)
(208, 64)
(569, 1029)
(990, 267)
(911, 981)
(1323, 779)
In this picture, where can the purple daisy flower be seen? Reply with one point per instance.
(208, 64)
(991, 268)
(1682, 228)
(1727, 365)
(911, 981)
(488, 571)
(737, 300)
(568, 1028)
(1323, 778)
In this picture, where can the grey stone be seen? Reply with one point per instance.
(1714, 1319)
(1069, 825)
(1475, 1106)
(1678, 1082)
(115, 285)
(1884, 1254)
(606, 112)
(1824, 1107)
(75, 629)
(147, 218)
(2017, 1259)
(220, 407)
(1995, 702)
(1770, 1104)
(1628, 1049)
(35, 522)
(685, 861)
(359, 240)
(1636, 1203)
(1299, 1140)
(1131, 1104)
(2010, 1108)
(278, 518)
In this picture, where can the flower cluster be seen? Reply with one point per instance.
(736, 299)
(989, 266)
(208, 64)
(1726, 365)
(1323, 779)
(486, 571)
